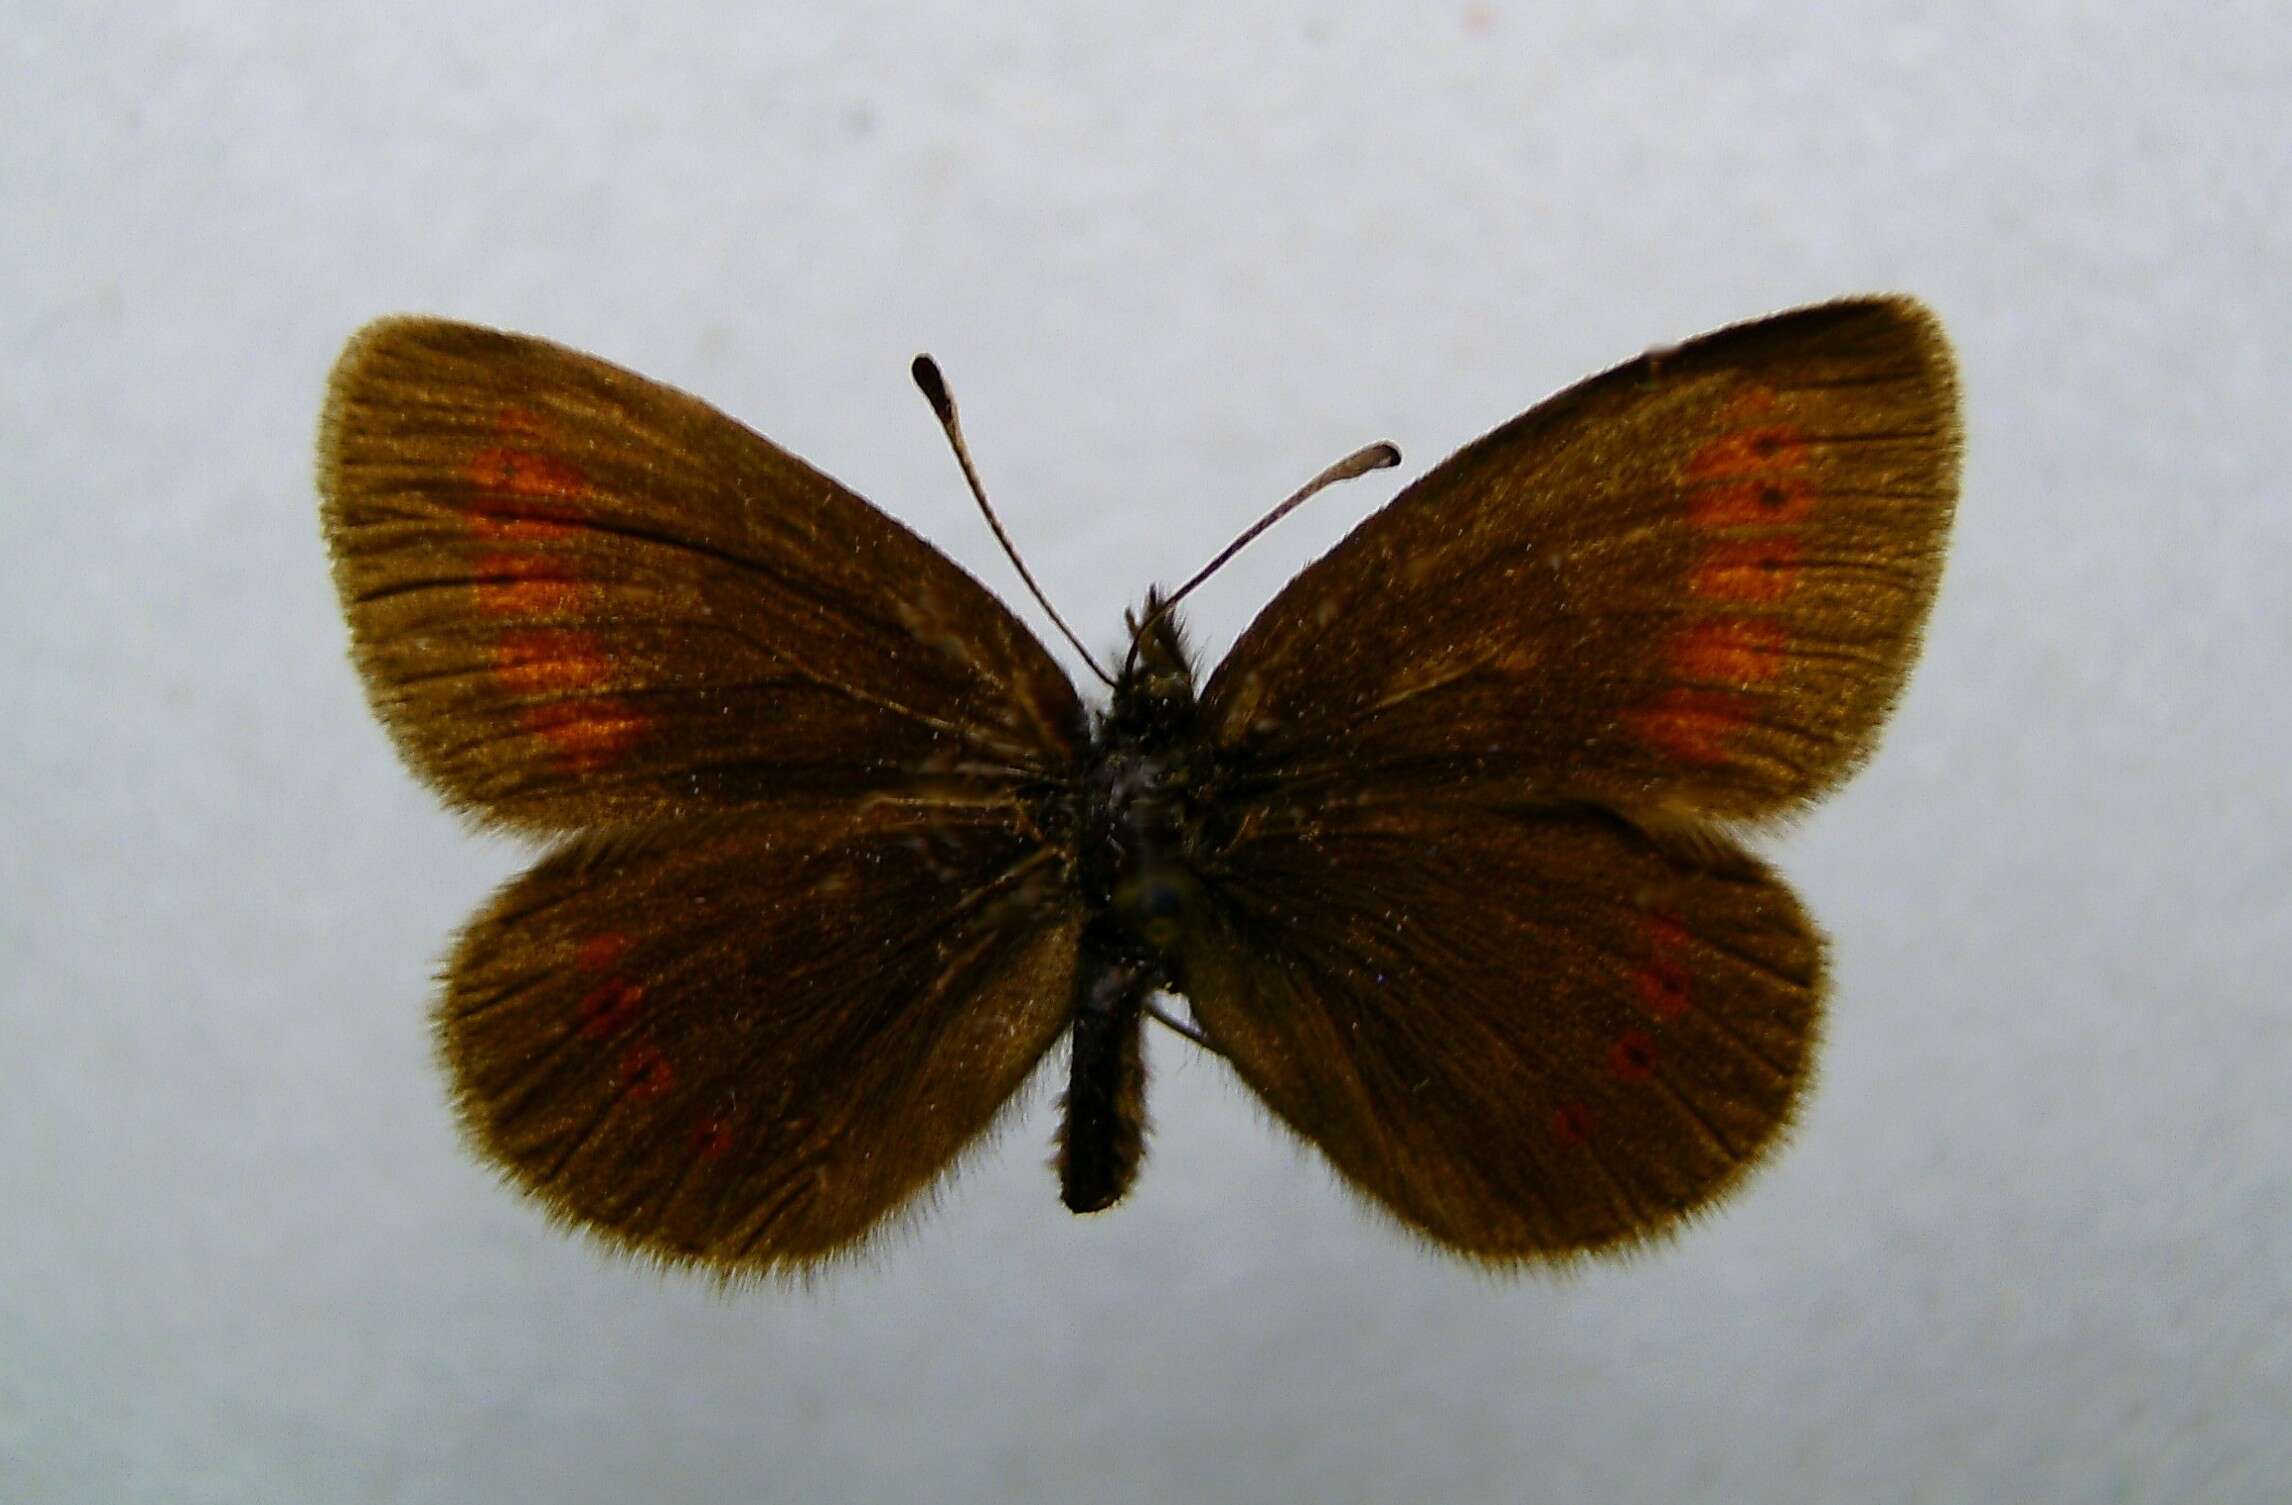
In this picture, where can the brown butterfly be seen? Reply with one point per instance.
(1441, 857)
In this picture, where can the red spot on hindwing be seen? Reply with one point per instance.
(1661, 979)
(1632, 1057)
(1572, 1123)
(608, 1008)
(1662, 987)
(602, 952)
(646, 1074)
(712, 1137)
(1665, 932)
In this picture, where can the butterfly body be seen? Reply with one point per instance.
(1445, 856)
(1134, 869)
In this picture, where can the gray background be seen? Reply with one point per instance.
(2031, 1242)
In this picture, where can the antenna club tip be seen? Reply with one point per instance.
(925, 370)
(1383, 455)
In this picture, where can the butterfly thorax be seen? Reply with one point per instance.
(1139, 806)
(1136, 825)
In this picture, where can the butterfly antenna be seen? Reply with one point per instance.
(1379, 456)
(926, 373)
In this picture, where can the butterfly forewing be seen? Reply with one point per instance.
(1693, 584)
(746, 1041)
(1527, 1034)
(580, 597)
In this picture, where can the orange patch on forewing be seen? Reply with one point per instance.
(525, 585)
(1750, 569)
(504, 470)
(1690, 725)
(1773, 447)
(608, 1008)
(529, 598)
(1749, 477)
(519, 523)
(1572, 1123)
(1749, 503)
(523, 495)
(1731, 650)
(543, 660)
(646, 1073)
(1755, 400)
(585, 732)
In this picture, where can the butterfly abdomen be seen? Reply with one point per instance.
(1102, 1136)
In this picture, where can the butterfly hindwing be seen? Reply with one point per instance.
(1692, 585)
(580, 597)
(746, 1041)
(1528, 1034)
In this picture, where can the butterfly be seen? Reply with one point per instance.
(1444, 858)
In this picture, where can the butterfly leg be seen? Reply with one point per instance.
(1190, 1030)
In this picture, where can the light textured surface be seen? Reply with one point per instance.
(2034, 1239)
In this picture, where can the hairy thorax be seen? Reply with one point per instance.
(1139, 824)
